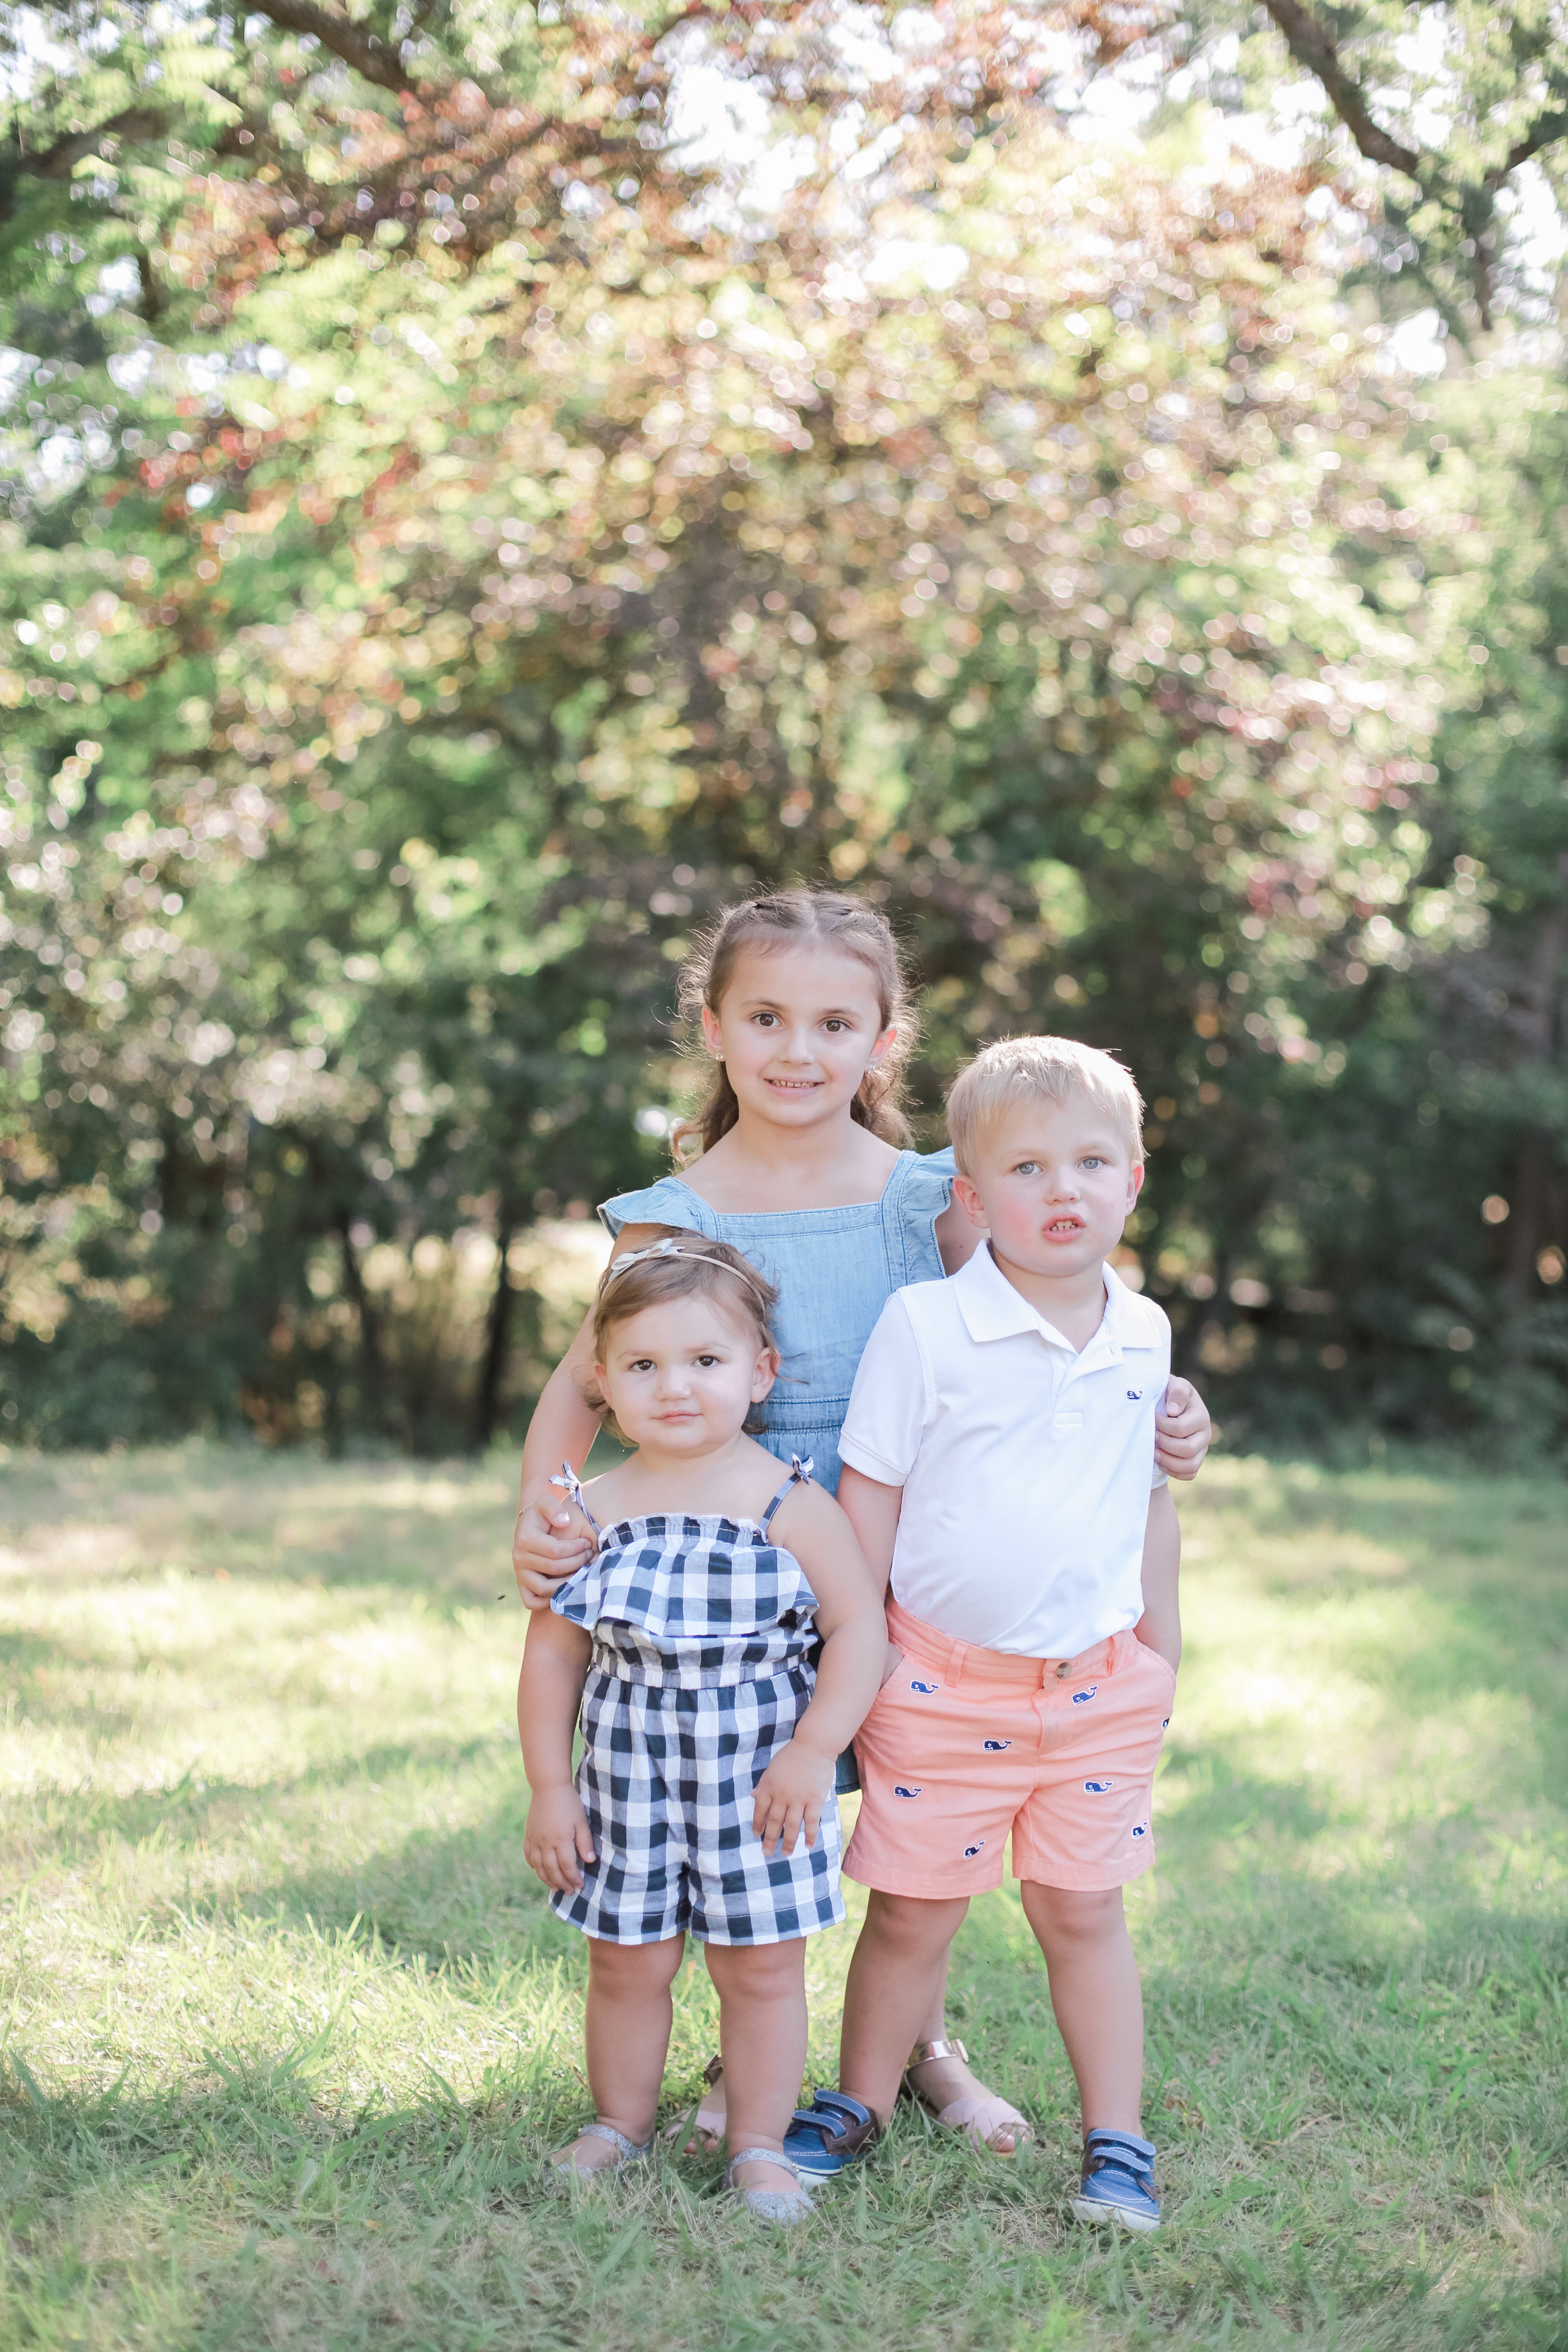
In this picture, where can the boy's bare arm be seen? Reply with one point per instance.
(872, 1511)
(1160, 1627)
(557, 1839)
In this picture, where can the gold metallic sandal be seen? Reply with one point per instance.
(706, 2126)
(981, 2119)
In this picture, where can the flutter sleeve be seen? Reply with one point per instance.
(923, 1195)
(577, 1598)
(668, 1202)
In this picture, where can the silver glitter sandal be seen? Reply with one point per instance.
(628, 2153)
(780, 2206)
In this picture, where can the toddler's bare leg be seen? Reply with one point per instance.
(940, 2080)
(762, 2038)
(896, 1974)
(629, 2020)
(1098, 1999)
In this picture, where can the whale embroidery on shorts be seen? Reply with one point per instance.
(1080, 1698)
(1097, 1788)
(925, 1689)
(970, 1851)
(899, 1791)
(994, 1746)
(1141, 1830)
(1164, 1723)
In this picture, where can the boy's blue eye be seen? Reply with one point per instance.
(1028, 1168)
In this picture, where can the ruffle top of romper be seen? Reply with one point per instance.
(834, 1270)
(680, 1602)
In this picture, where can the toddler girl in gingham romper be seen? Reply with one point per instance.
(715, 1673)
(704, 1631)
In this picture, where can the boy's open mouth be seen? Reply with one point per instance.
(1063, 1229)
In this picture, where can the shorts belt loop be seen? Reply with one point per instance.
(960, 1652)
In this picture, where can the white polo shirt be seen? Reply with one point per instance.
(1026, 1463)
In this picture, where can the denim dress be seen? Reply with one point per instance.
(834, 1270)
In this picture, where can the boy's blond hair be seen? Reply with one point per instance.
(1034, 1069)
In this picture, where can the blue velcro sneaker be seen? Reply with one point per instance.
(1118, 2184)
(834, 2132)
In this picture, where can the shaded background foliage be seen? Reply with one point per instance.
(486, 484)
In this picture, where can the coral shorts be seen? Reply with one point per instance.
(965, 1748)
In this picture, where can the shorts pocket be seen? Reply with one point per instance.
(1159, 1658)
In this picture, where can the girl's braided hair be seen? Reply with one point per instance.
(792, 919)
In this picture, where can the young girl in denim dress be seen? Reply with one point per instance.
(799, 1158)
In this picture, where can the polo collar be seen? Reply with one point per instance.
(992, 1310)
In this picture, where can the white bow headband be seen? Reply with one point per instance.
(669, 1249)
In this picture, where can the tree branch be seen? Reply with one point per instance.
(369, 56)
(1547, 126)
(58, 162)
(1310, 45)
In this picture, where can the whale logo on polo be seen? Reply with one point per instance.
(1135, 1396)
(970, 1851)
(1081, 1698)
(899, 1791)
(1097, 1788)
(994, 1746)
(925, 1689)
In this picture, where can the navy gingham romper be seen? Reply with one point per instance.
(703, 1633)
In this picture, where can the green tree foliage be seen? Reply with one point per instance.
(461, 529)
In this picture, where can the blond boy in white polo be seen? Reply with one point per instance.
(999, 1454)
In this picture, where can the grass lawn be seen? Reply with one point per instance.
(288, 2028)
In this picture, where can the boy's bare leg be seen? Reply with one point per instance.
(762, 2039)
(629, 2020)
(1097, 1997)
(896, 1974)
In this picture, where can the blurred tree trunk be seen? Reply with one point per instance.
(497, 1326)
(373, 1363)
(1537, 1023)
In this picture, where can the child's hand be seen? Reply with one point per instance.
(789, 1798)
(557, 1834)
(551, 1540)
(1181, 1431)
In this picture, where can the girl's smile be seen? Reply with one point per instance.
(797, 1031)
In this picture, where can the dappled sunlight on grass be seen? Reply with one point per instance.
(291, 2027)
